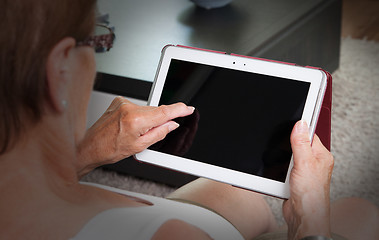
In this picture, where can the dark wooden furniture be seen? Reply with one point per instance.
(306, 32)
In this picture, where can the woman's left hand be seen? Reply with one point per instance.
(124, 130)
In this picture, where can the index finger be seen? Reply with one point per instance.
(320, 151)
(165, 113)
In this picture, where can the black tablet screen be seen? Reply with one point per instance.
(242, 120)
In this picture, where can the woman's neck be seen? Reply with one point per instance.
(43, 159)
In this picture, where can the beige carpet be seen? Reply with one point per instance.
(355, 131)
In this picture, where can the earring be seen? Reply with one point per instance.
(64, 104)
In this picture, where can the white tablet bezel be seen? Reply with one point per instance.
(316, 78)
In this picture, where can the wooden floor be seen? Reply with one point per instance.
(360, 19)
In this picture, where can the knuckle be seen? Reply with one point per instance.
(181, 105)
(124, 107)
(301, 141)
(116, 100)
(127, 113)
(165, 110)
(327, 158)
(161, 135)
(119, 99)
(133, 121)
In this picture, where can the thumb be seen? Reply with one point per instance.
(300, 142)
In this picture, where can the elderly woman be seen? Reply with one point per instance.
(46, 76)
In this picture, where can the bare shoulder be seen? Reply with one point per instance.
(177, 229)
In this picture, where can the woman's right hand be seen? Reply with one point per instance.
(124, 130)
(307, 211)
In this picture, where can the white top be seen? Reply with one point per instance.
(140, 223)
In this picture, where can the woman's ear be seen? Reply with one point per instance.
(58, 67)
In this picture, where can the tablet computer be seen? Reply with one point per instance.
(245, 109)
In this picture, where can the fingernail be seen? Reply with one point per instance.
(191, 108)
(302, 126)
(172, 126)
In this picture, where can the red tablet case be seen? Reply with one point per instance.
(323, 127)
